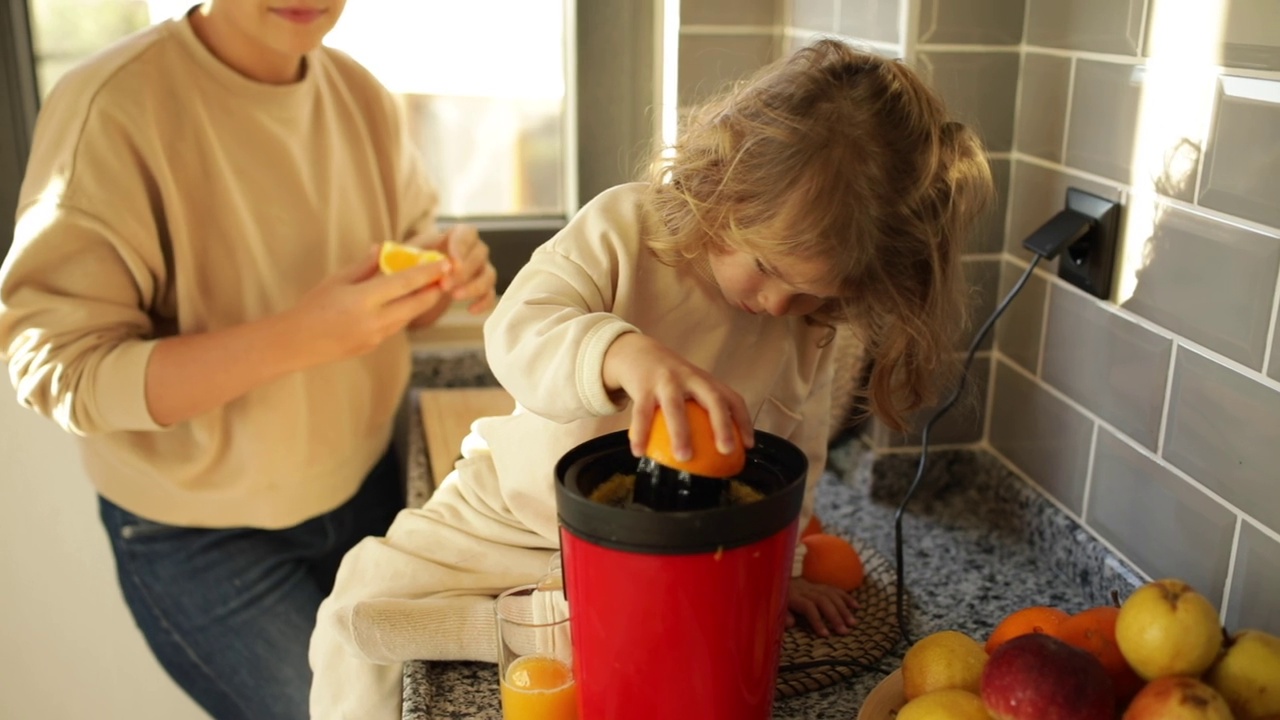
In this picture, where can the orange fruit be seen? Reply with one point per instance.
(706, 460)
(1034, 619)
(394, 257)
(1094, 631)
(813, 527)
(831, 560)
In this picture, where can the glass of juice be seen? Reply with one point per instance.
(535, 657)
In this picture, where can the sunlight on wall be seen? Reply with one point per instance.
(1178, 84)
(669, 74)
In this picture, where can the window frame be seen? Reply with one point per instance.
(21, 103)
(612, 65)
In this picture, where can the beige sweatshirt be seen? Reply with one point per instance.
(167, 194)
(594, 281)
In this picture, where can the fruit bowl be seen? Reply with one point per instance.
(885, 699)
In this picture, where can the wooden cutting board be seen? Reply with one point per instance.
(447, 414)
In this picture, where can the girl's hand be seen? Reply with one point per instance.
(354, 311)
(822, 606)
(652, 376)
(471, 276)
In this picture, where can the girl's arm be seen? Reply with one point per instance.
(547, 338)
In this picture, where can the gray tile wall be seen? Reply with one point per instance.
(1153, 415)
(722, 41)
(968, 51)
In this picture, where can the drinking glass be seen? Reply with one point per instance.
(535, 656)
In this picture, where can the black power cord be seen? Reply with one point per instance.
(924, 441)
(924, 457)
(1047, 242)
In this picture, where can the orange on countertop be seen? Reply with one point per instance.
(813, 527)
(706, 460)
(1034, 619)
(831, 560)
(1094, 631)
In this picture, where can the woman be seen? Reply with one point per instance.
(193, 292)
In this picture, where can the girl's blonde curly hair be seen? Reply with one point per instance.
(849, 158)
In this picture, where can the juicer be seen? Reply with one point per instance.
(677, 614)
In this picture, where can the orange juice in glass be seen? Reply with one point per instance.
(535, 657)
(539, 688)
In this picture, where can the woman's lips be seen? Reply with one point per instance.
(299, 15)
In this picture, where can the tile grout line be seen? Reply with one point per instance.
(1231, 570)
(728, 29)
(1044, 330)
(1095, 56)
(1251, 225)
(991, 399)
(909, 29)
(1142, 30)
(1066, 123)
(1058, 284)
(835, 17)
(1134, 444)
(1208, 132)
(1013, 468)
(1268, 532)
(1088, 476)
(961, 48)
(1168, 399)
(1269, 352)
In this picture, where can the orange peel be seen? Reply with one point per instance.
(706, 460)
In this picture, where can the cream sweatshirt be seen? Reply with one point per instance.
(167, 194)
(596, 280)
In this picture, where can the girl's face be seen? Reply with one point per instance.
(776, 286)
(265, 39)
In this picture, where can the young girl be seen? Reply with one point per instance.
(831, 188)
(192, 293)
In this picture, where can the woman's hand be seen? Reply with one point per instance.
(471, 276)
(652, 376)
(822, 606)
(354, 311)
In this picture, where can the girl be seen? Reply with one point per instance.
(830, 188)
(192, 293)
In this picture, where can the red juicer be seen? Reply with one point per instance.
(677, 614)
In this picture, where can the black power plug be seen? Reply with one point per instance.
(1087, 229)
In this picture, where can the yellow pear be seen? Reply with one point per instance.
(950, 704)
(1248, 675)
(1167, 628)
(944, 660)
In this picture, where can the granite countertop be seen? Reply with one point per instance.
(979, 544)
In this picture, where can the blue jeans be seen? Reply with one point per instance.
(229, 612)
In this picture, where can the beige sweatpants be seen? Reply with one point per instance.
(425, 591)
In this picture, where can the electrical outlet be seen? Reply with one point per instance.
(1089, 262)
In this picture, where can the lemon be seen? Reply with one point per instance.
(945, 660)
(945, 705)
(394, 257)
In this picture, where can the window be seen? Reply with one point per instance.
(485, 101)
(517, 157)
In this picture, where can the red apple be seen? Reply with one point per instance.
(1175, 697)
(1039, 677)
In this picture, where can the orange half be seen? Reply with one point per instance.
(706, 460)
(394, 257)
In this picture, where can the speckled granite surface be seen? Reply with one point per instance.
(979, 543)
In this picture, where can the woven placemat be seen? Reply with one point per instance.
(875, 634)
